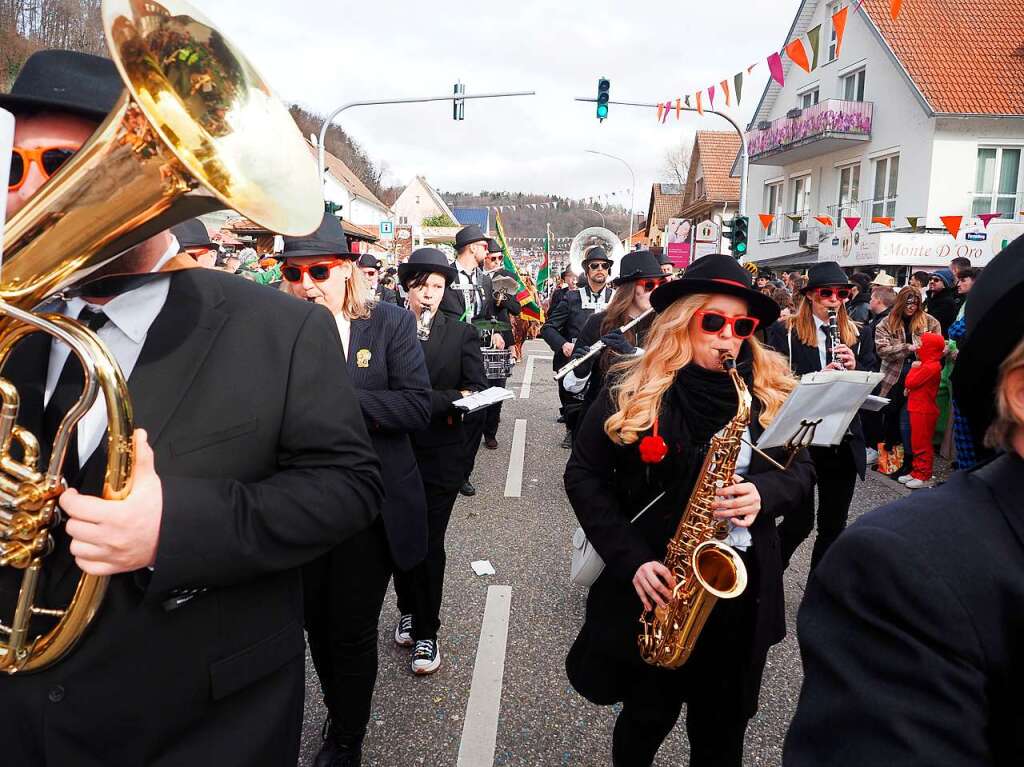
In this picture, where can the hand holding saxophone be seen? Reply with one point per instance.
(654, 584)
(740, 503)
(111, 537)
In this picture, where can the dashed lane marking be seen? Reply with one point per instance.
(514, 478)
(524, 390)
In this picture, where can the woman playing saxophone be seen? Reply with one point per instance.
(643, 445)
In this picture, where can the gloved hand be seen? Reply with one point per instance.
(617, 342)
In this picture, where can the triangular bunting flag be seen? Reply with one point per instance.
(796, 218)
(814, 37)
(839, 25)
(952, 224)
(737, 81)
(725, 90)
(825, 220)
(775, 68)
(986, 217)
(686, 100)
(661, 108)
(894, 9)
(711, 96)
(700, 107)
(766, 219)
(751, 68)
(852, 221)
(679, 107)
(795, 51)
(883, 220)
(668, 107)
(912, 220)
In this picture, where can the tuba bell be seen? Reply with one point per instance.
(599, 237)
(196, 130)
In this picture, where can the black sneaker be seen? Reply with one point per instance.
(426, 658)
(337, 751)
(567, 440)
(403, 631)
(325, 757)
(467, 489)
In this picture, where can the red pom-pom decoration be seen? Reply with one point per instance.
(652, 447)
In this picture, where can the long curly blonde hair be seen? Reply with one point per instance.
(645, 379)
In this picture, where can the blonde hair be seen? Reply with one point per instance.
(359, 299)
(807, 331)
(1001, 432)
(645, 379)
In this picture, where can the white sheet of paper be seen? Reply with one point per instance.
(481, 399)
(482, 567)
(874, 403)
(6, 145)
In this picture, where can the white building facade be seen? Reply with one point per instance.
(859, 138)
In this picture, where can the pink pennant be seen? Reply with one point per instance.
(775, 68)
(986, 217)
(664, 114)
(851, 221)
(711, 95)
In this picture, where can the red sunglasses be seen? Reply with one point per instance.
(650, 285)
(317, 272)
(48, 159)
(841, 293)
(713, 322)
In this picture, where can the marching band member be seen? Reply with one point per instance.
(910, 631)
(239, 480)
(679, 396)
(370, 266)
(344, 589)
(452, 351)
(505, 306)
(804, 340)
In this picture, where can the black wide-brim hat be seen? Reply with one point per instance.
(638, 265)
(328, 240)
(369, 261)
(427, 260)
(192, 234)
(493, 246)
(467, 235)
(717, 274)
(596, 253)
(827, 274)
(65, 81)
(995, 325)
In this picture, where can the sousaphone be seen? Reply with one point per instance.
(595, 237)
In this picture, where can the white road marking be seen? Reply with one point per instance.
(514, 478)
(480, 726)
(524, 391)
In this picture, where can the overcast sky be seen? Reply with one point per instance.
(324, 54)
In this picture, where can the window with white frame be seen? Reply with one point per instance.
(853, 86)
(833, 38)
(887, 171)
(773, 204)
(809, 98)
(800, 199)
(997, 181)
(849, 188)
(403, 219)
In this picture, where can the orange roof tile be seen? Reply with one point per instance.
(965, 57)
(666, 202)
(717, 152)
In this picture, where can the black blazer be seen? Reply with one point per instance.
(807, 359)
(912, 633)
(265, 464)
(455, 364)
(453, 303)
(566, 321)
(388, 370)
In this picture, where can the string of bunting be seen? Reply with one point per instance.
(804, 51)
(953, 224)
(602, 198)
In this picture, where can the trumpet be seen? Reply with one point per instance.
(596, 348)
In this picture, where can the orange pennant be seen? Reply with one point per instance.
(725, 89)
(661, 109)
(883, 220)
(894, 9)
(839, 25)
(795, 51)
(679, 107)
(700, 107)
(766, 219)
(952, 224)
(825, 220)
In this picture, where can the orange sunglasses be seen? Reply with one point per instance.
(47, 158)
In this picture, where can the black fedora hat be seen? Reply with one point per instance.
(192, 234)
(429, 260)
(638, 265)
(995, 325)
(596, 253)
(65, 81)
(664, 260)
(328, 240)
(826, 274)
(369, 261)
(493, 246)
(467, 235)
(720, 274)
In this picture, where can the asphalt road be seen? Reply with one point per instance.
(540, 719)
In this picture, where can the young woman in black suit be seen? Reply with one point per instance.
(678, 395)
(344, 590)
(455, 366)
(803, 340)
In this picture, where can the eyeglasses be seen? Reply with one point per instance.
(48, 159)
(650, 285)
(713, 322)
(317, 272)
(595, 265)
(841, 293)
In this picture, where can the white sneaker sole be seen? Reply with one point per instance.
(424, 669)
(403, 640)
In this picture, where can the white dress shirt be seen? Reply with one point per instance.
(822, 339)
(345, 329)
(739, 537)
(130, 316)
(468, 283)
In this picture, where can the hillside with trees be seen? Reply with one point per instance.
(27, 26)
(346, 149)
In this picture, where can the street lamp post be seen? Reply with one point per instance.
(632, 190)
(592, 210)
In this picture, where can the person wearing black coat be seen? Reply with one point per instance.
(608, 482)
(857, 308)
(344, 590)
(837, 467)
(911, 631)
(504, 306)
(452, 352)
(941, 302)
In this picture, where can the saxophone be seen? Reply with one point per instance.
(423, 326)
(705, 569)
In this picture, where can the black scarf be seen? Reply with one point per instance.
(707, 398)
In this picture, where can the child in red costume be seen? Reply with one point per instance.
(922, 388)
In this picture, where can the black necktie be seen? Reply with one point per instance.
(65, 395)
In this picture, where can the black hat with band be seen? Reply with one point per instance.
(827, 274)
(65, 81)
(638, 265)
(717, 274)
(328, 240)
(427, 261)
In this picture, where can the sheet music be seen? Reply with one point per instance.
(481, 399)
(833, 396)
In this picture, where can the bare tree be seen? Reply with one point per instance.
(675, 167)
(30, 25)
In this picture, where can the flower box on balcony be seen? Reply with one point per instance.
(819, 129)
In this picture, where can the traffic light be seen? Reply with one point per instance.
(603, 86)
(740, 227)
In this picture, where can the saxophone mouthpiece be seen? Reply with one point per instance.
(728, 361)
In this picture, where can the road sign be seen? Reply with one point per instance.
(707, 231)
(387, 229)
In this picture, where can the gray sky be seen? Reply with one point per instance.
(324, 54)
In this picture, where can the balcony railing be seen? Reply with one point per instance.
(865, 210)
(818, 129)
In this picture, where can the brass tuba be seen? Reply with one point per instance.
(196, 130)
(595, 237)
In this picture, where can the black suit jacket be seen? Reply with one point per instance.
(453, 303)
(912, 632)
(388, 370)
(566, 321)
(455, 364)
(265, 464)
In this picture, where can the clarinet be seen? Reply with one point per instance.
(833, 334)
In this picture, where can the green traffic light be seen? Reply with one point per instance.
(602, 111)
(741, 248)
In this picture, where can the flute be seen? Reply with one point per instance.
(595, 349)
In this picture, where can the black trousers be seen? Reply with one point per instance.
(344, 592)
(837, 479)
(492, 415)
(473, 429)
(421, 589)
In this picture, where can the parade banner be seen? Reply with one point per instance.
(527, 297)
(542, 271)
